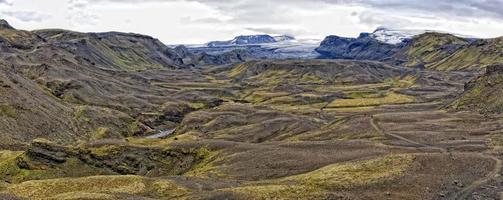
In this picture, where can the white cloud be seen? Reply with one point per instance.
(198, 21)
(26, 16)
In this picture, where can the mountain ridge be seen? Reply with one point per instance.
(432, 50)
(250, 40)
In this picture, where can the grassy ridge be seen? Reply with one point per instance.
(446, 52)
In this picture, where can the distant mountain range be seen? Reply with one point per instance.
(394, 46)
(261, 47)
(250, 40)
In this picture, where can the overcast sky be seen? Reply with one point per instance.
(199, 21)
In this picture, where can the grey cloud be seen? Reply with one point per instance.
(391, 13)
(209, 20)
(249, 12)
(443, 8)
(446, 8)
(77, 4)
(80, 15)
(26, 16)
(279, 31)
(458, 8)
(5, 3)
(373, 18)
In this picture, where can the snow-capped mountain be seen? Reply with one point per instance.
(244, 40)
(262, 46)
(251, 40)
(392, 36)
(396, 36)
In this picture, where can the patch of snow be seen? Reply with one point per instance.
(396, 36)
(391, 36)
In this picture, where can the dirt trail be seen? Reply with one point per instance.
(378, 129)
(466, 191)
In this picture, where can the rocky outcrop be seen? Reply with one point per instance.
(364, 47)
(119, 159)
(5, 25)
(483, 94)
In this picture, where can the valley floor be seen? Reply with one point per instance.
(282, 130)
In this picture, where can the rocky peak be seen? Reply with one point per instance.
(5, 25)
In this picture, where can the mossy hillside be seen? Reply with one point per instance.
(261, 96)
(307, 109)
(102, 122)
(310, 72)
(127, 58)
(238, 69)
(318, 183)
(8, 165)
(431, 47)
(95, 187)
(238, 122)
(276, 77)
(446, 52)
(388, 98)
(475, 56)
(308, 87)
(352, 87)
(206, 168)
(380, 95)
(129, 52)
(482, 95)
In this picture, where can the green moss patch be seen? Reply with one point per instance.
(8, 111)
(318, 183)
(96, 187)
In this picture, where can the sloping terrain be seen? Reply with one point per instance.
(431, 50)
(477, 55)
(426, 50)
(483, 94)
(60, 89)
(121, 116)
(114, 50)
